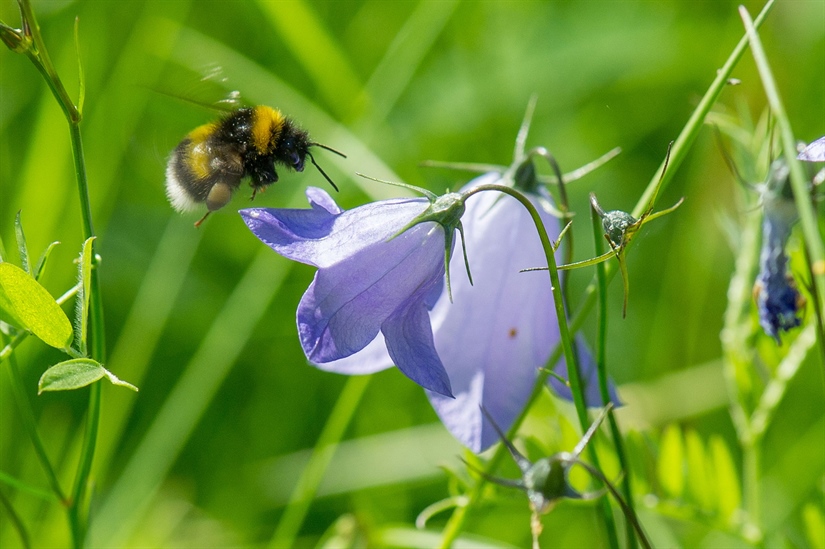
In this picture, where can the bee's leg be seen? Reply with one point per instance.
(201, 220)
(261, 181)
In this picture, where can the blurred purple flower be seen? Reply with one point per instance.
(371, 277)
(777, 298)
(497, 332)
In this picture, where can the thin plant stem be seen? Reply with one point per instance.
(629, 513)
(573, 370)
(23, 487)
(818, 314)
(30, 425)
(312, 475)
(39, 56)
(601, 365)
(815, 249)
(16, 521)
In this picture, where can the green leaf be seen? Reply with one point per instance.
(85, 269)
(699, 486)
(76, 373)
(671, 458)
(41, 263)
(22, 247)
(727, 480)
(70, 374)
(814, 524)
(24, 299)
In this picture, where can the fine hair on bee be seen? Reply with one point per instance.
(207, 167)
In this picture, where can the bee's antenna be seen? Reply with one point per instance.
(339, 153)
(334, 186)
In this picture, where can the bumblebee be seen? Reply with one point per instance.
(209, 164)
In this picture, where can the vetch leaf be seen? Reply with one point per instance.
(41, 263)
(76, 373)
(85, 272)
(22, 247)
(671, 458)
(698, 485)
(814, 524)
(24, 299)
(727, 481)
(70, 374)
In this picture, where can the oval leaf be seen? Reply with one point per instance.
(77, 373)
(24, 299)
(70, 374)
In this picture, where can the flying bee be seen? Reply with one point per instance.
(209, 164)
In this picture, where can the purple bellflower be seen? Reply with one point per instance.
(495, 333)
(380, 269)
(498, 332)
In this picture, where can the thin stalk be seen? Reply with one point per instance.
(30, 425)
(39, 56)
(628, 511)
(751, 465)
(312, 475)
(818, 314)
(96, 346)
(601, 365)
(799, 183)
(573, 369)
(16, 521)
(23, 487)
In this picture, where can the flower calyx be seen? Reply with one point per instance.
(445, 210)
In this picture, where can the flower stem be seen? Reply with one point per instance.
(39, 56)
(570, 356)
(601, 365)
(312, 475)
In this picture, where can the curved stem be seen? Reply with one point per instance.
(628, 511)
(573, 370)
(601, 365)
(39, 55)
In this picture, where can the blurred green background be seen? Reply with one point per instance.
(203, 321)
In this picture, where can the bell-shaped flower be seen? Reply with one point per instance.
(495, 333)
(498, 332)
(380, 269)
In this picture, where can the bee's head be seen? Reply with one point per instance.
(293, 147)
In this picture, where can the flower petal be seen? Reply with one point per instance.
(324, 235)
(497, 333)
(344, 307)
(372, 358)
(409, 340)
